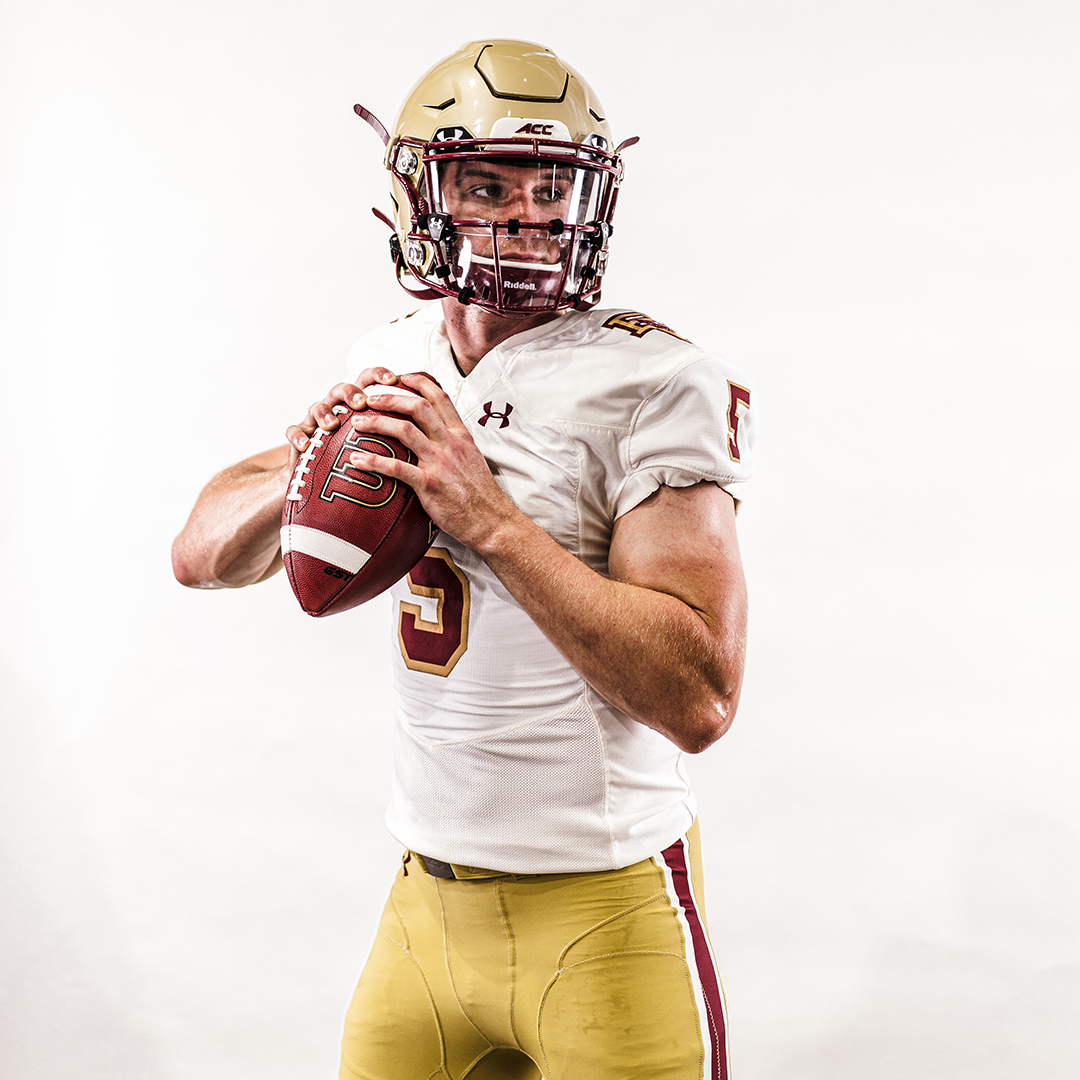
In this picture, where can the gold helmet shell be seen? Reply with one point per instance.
(485, 81)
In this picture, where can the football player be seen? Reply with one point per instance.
(576, 627)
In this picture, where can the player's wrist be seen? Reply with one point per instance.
(505, 532)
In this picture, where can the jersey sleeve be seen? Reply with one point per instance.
(400, 344)
(699, 425)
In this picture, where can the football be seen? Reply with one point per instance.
(348, 535)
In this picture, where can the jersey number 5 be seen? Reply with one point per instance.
(435, 647)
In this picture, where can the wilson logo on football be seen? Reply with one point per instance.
(346, 481)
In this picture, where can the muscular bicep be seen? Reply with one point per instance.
(682, 541)
(232, 534)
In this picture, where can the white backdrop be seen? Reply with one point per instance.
(870, 205)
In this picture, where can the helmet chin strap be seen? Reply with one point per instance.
(423, 293)
(374, 121)
(400, 269)
(383, 218)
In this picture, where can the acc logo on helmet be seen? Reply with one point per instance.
(509, 127)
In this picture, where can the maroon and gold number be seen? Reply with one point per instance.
(435, 647)
(737, 395)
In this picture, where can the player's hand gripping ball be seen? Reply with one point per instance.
(348, 535)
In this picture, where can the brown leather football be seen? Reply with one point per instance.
(348, 535)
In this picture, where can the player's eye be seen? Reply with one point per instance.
(485, 192)
(549, 195)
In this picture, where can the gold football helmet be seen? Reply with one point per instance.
(504, 181)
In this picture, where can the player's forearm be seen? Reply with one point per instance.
(660, 661)
(232, 538)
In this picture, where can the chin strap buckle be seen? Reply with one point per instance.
(438, 226)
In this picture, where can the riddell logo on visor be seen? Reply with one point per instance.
(519, 284)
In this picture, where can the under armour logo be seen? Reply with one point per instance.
(451, 134)
(502, 417)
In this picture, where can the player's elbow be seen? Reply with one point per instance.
(187, 568)
(706, 724)
(198, 565)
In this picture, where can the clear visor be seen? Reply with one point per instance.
(522, 230)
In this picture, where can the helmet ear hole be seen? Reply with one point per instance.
(406, 161)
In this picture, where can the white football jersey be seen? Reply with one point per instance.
(504, 757)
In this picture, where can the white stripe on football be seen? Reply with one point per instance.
(323, 545)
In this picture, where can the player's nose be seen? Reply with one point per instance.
(520, 205)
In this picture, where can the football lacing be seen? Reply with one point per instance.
(302, 469)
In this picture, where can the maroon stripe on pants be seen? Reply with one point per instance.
(675, 857)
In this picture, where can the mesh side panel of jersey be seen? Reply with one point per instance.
(529, 794)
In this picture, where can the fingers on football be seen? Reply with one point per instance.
(344, 394)
(406, 406)
(321, 414)
(392, 467)
(405, 430)
(433, 395)
(297, 437)
(375, 375)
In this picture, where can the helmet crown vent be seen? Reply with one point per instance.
(510, 72)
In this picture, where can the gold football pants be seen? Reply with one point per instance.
(601, 976)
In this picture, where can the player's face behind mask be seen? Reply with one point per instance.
(515, 239)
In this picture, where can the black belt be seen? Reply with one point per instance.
(438, 868)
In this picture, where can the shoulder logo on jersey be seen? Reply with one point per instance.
(503, 417)
(633, 322)
(737, 395)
